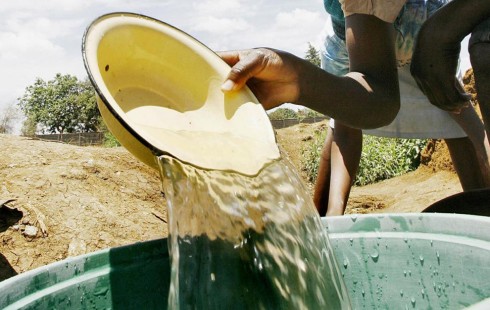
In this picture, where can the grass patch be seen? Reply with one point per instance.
(381, 159)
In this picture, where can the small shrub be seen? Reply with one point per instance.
(110, 140)
(384, 158)
(381, 159)
(282, 113)
(311, 155)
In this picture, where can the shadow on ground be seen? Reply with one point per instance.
(8, 217)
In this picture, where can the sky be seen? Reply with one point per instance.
(42, 38)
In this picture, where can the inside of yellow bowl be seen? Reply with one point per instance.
(161, 92)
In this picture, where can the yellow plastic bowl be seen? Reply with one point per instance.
(159, 93)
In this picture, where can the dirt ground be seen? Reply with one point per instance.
(61, 200)
(70, 200)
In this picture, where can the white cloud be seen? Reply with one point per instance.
(292, 27)
(219, 7)
(44, 6)
(42, 26)
(34, 47)
(296, 19)
(19, 46)
(221, 26)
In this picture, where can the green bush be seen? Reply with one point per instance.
(110, 140)
(311, 155)
(384, 158)
(381, 159)
(282, 113)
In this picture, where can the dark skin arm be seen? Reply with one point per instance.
(435, 59)
(367, 97)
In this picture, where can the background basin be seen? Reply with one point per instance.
(402, 261)
(476, 202)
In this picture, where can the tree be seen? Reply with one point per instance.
(61, 105)
(283, 113)
(9, 115)
(312, 55)
(29, 127)
(306, 113)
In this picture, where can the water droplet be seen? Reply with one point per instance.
(375, 255)
(351, 241)
(423, 293)
(363, 293)
(401, 293)
(353, 217)
(421, 260)
(346, 263)
(405, 239)
(405, 273)
(412, 300)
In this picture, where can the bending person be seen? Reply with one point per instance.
(436, 57)
(417, 118)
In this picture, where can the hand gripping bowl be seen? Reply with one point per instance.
(158, 90)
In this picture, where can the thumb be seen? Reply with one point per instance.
(246, 65)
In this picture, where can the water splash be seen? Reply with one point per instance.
(261, 232)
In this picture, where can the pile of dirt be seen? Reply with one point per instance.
(61, 200)
(436, 156)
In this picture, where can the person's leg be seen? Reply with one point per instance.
(322, 183)
(471, 155)
(344, 154)
(463, 156)
(479, 50)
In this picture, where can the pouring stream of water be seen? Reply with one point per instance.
(239, 242)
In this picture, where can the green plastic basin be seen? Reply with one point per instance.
(389, 261)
